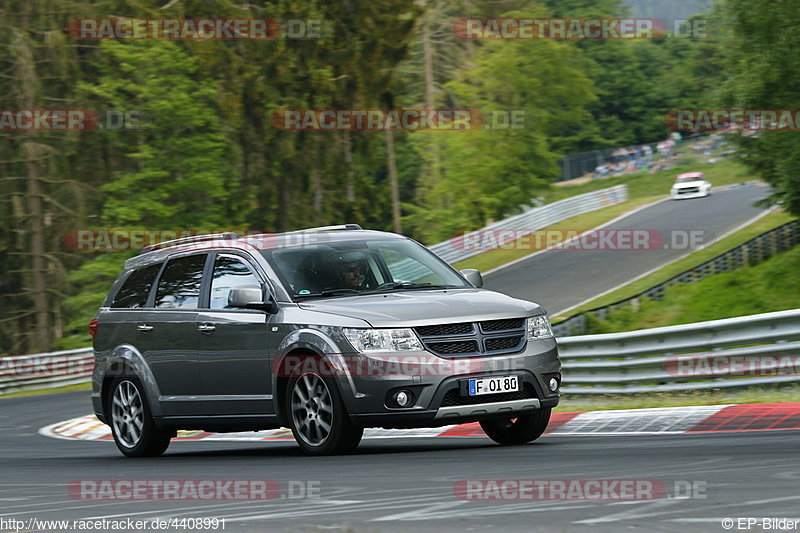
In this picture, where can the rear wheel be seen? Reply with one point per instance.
(131, 424)
(518, 430)
(317, 416)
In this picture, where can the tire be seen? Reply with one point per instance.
(521, 430)
(317, 416)
(132, 426)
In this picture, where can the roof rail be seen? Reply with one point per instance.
(330, 228)
(228, 235)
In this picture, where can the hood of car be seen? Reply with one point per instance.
(425, 307)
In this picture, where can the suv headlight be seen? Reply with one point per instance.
(383, 340)
(539, 328)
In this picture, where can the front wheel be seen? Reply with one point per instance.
(317, 416)
(518, 430)
(131, 424)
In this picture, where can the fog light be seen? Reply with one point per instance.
(553, 384)
(402, 398)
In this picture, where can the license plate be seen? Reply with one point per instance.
(479, 386)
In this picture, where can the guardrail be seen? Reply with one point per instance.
(752, 252)
(733, 352)
(517, 226)
(45, 370)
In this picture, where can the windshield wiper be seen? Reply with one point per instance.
(329, 292)
(393, 286)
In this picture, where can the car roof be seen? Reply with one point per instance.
(685, 175)
(261, 242)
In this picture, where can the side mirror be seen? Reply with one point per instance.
(473, 276)
(252, 297)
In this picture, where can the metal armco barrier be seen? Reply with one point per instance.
(704, 355)
(534, 219)
(752, 252)
(733, 352)
(45, 370)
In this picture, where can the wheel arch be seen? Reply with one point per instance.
(125, 360)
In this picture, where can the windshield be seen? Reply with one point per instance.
(688, 179)
(358, 267)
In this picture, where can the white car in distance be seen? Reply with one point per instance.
(690, 185)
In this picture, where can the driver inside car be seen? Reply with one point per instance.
(350, 272)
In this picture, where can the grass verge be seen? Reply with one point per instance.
(67, 388)
(762, 225)
(769, 286)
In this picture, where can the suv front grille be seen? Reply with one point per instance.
(454, 398)
(493, 337)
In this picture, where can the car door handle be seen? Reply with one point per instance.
(144, 327)
(206, 328)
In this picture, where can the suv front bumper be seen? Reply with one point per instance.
(439, 401)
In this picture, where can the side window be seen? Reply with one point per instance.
(179, 285)
(133, 293)
(229, 272)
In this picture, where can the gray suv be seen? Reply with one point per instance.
(326, 331)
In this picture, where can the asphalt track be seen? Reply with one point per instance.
(408, 484)
(560, 279)
(401, 484)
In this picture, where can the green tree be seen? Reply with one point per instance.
(763, 72)
(175, 172)
(489, 173)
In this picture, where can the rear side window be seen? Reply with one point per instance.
(179, 286)
(133, 293)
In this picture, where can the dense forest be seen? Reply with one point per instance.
(201, 152)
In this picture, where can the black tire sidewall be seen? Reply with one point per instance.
(343, 433)
(525, 429)
(152, 442)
